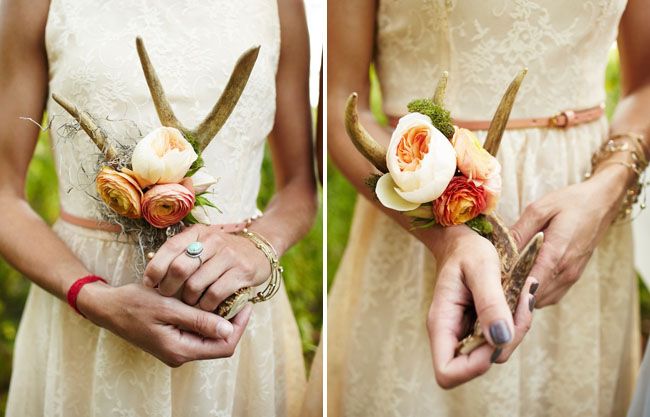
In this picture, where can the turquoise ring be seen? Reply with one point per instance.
(194, 250)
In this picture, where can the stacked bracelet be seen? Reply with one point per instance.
(76, 287)
(275, 279)
(633, 145)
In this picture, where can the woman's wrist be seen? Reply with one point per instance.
(93, 301)
(442, 240)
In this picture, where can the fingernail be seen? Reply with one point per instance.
(500, 332)
(531, 303)
(533, 287)
(495, 355)
(224, 329)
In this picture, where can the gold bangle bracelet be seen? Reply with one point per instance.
(275, 278)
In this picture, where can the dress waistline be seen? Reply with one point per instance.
(561, 120)
(94, 224)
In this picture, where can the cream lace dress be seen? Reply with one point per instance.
(579, 358)
(66, 366)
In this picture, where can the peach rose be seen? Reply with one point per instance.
(421, 162)
(166, 204)
(120, 192)
(462, 201)
(472, 159)
(492, 187)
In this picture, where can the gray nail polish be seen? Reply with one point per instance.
(500, 332)
(495, 355)
(533, 287)
(531, 303)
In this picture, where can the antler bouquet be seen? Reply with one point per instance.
(159, 184)
(440, 174)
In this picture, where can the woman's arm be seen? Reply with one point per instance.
(468, 266)
(573, 229)
(231, 262)
(26, 241)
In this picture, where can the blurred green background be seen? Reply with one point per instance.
(341, 195)
(303, 265)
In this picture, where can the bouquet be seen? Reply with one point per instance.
(157, 186)
(440, 174)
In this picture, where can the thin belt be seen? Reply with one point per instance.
(115, 228)
(561, 120)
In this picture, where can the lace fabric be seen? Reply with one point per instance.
(63, 364)
(580, 357)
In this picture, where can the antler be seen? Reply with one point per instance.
(89, 126)
(217, 117)
(441, 88)
(365, 143)
(500, 118)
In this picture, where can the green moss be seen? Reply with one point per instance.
(440, 117)
(481, 225)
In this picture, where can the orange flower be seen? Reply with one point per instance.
(460, 202)
(412, 147)
(472, 159)
(120, 192)
(166, 204)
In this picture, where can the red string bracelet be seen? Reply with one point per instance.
(76, 287)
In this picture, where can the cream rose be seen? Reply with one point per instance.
(163, 156)
(421, 162)
(202, 181)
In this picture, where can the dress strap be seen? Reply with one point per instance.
(561, 120)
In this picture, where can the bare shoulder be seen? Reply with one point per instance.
(22, 23)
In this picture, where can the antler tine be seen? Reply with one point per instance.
(164, 110)
(214, 121)
(89, 126)
(500, 119)
(366, 144)
(441, 88)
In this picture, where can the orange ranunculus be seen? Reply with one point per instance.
(471, 158)
(460, 202)
(166, 204)
(120, 192)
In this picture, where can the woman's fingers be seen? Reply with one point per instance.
(203, 323)
(532, 220)
(483, 278)
(209, 273)
(446, 326)
(522, 320)
(231, 281)
(157, 268)
(193, 346)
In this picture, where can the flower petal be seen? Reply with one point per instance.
(387, 194)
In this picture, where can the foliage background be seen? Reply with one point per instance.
(303, 265)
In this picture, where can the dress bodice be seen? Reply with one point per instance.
(484, 43)
(193, 45)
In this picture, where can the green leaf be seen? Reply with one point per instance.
(190, 219)
(203, 201)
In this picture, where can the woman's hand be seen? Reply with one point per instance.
(469, 277)
(574, 220)
(165, 327)
(230, 262)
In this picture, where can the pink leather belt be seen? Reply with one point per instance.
(114, 228)
(561, 120)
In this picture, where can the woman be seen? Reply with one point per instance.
(69, 365)
(581, 354)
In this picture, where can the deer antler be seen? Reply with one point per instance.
(515, 265)
(89, 126)
(217, 117)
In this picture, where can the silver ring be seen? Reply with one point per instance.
(194, 250)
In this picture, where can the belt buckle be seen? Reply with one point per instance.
(563, 119)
